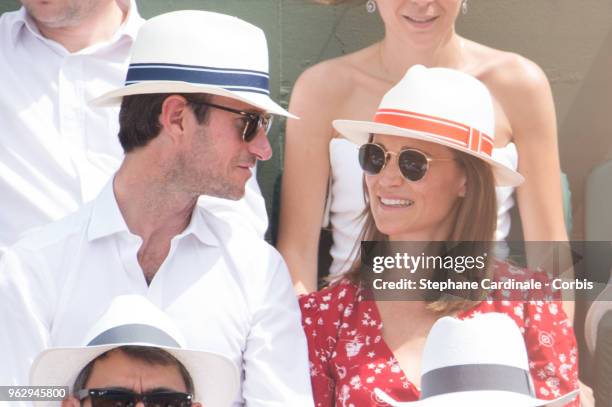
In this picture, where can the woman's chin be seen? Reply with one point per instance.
(406, 233)
(396, 227)
(393, 232)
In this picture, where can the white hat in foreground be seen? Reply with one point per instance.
(192, 51)
(441, 106)
(133, 320)
(479, 362)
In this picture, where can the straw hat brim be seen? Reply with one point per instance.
(215, 377)
(259, 100)
(359, 133)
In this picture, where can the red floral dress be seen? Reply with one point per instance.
(349, 357)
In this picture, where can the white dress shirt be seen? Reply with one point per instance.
(56, 152)
(225, 288)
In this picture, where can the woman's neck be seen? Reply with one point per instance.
(397, 55)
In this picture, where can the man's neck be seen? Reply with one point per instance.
(150, 207)
(153, 210)
(99, 25)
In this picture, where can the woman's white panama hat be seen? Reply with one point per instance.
(193, 51)
(478, 362)
(134, 320)
(441, 106)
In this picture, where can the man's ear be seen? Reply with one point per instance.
(71, 402)
(172, 116)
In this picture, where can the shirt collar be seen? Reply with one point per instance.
(20, 21)
(106, 220)
(128, 28)
(200, 228)
(133, 22)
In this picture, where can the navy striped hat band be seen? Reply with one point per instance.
(237, 80)
(476, 377)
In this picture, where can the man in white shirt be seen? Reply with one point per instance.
(56, 152)
(225, 288)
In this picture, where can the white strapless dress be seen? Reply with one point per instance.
(347, 201)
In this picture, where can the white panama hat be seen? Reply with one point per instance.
(441, 106)
(133, 320)
(478, 362)
(192, 51)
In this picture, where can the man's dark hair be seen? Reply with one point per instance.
(139, 116)
(146, 354)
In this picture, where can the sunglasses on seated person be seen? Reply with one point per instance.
(253, 121)
(413, 163)
(125, 398)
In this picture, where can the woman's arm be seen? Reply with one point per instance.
(526, 97)
(531, 112)
(315, 99)
(551, 346)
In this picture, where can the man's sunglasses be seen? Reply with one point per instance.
(124, 398)
(253, 121)
(413, 164)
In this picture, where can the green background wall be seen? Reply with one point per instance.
(571, 40)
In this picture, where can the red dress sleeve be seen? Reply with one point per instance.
(317, 321)
(551, 345)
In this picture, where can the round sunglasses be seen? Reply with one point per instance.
(125, 398)
(252, 121)
(413, 164)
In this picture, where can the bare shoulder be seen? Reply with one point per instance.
(334, 78)
(522, 94)
(508, 73)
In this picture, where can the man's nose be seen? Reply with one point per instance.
(260, 146)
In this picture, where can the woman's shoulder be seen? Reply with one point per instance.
(340, 293)
(504, 71)
(324, 311)
(338, 76)
(528, 304)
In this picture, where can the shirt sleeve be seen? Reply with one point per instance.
(314, 321)
(276, 359)
(25, 315)
(551, 345)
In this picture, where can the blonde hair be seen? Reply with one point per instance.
(479, 199)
